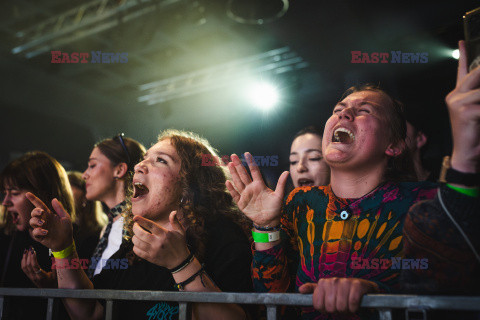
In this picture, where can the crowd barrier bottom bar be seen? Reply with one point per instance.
(383, 303)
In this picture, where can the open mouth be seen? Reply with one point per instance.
(305, 182)
(343, 135)
(139, 190)
(15, 218)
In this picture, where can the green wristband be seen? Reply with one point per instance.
(65, 253)
(265, 237)
(471, 192)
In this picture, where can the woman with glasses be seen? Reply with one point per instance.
(187, 237)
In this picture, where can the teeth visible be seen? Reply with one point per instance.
(337, 138)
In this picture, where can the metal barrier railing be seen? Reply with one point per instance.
(383, 303)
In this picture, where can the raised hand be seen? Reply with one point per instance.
(40, 277)
(464, 109)
(52, 229)
(259, 203)
(158, 245)
(342, 295)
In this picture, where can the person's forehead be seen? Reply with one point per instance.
(163, 147)
(307, 141)
(376, 98)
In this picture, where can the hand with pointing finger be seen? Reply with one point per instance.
(52, 229)
(259, 203)
(158, 245)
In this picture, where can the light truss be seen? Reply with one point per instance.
(84, 20)
(272, 62)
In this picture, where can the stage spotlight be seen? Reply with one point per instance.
(263, 95)
(456, 54)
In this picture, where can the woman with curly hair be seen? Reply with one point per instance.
(185, 236)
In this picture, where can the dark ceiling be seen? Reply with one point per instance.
(202, 56)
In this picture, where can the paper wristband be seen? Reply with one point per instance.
(471, 192)
(265, 237)
(65, 253)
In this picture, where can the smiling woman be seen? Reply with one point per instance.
(186, 236)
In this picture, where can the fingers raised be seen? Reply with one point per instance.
(59, 209)
(254, 170)
(462, 62)
(234, 167)
(175, 224)
(36, 201)
(233, 191)
(282, 181)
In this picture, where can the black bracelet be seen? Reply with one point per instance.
(276, 228)
(181, 285)
(182, 265)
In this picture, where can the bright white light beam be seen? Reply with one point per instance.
(456, 54)
(263, 95)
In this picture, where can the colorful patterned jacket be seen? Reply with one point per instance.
(317, 243)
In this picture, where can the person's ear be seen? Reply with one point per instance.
(120, 170)
(421, 139)
(395, 149)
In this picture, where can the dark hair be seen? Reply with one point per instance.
(112, 149)
(203, 187)
(399, 168)
(310, 129)
(42, 175)
(89, 215)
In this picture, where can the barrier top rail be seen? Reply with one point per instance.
(368, 301)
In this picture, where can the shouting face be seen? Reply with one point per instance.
(357, 136)
(157, 188)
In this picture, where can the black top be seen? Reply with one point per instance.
(227, 262)
(12, 275)
(12, 248)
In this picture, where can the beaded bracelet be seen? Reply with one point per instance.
(267, 228)
(182, 265)
(181, 285)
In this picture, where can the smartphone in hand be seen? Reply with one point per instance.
(471, 25)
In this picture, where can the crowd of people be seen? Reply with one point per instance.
(363, 217)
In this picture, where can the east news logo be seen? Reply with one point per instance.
(392, 57)
(83, 57)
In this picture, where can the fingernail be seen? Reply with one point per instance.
(25, 251)
(30, 249)
(41, 222)
(44, 232)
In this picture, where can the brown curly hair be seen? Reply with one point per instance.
(203, 188)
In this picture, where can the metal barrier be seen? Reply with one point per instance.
(383, 303)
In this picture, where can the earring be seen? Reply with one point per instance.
(84, 203)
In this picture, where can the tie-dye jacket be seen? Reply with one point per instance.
(317, 243)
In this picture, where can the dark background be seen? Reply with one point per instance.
(65, 108)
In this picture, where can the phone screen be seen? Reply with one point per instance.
(471, 24)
